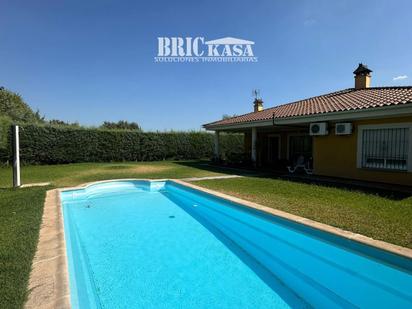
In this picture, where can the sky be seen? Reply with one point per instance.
(93, 61)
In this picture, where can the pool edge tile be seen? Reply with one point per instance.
(49, 281)
(392, 248)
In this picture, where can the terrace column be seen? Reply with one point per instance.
(254, 139)
(217, 150)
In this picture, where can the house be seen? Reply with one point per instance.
(362, 133)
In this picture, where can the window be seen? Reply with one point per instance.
(300, 146)
(385, 147)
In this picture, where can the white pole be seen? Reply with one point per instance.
(16, 156)
(254, 139)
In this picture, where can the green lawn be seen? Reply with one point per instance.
(20, 217)
(75, 174)
(367, 214)
(21, 210)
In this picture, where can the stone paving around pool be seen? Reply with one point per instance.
(49, 284)
(211, 177)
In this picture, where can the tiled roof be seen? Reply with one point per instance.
(343, 100)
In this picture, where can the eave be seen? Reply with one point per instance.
(358, 114)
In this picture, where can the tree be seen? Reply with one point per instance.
(57, 122)
(13, 107)
(13, 110)
(120, 125)
(226, 116)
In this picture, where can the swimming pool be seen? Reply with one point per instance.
(159, 244)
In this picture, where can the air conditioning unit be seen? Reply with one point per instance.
(318, 128)
(344, 128)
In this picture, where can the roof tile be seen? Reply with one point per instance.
(343, 100)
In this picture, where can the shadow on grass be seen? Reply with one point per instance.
(211, 167)
(393, 192)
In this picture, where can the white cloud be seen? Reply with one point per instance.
(400, 77)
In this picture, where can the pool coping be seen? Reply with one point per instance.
(379, 244)
(49, 277)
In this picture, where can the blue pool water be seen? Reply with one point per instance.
(137, 244)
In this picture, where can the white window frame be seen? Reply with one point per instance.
(361, 128)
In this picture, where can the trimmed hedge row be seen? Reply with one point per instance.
(5, 123)
(56, 145)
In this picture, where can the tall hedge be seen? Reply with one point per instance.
(5, 123)
(40, 144)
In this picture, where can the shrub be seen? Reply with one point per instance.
(45, 144)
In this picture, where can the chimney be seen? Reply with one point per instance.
(257, 105)
(362, 77)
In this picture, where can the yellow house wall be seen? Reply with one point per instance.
(337, 156)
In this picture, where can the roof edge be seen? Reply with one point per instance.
(376, 112)
(309, 98)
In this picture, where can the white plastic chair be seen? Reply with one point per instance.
(300, 163)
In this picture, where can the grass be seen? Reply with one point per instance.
(20, 217)
(75, 174)
(367, 214)
(21, 209)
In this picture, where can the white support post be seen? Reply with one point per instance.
(16, 156)
(217, 142)
(253, 152)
